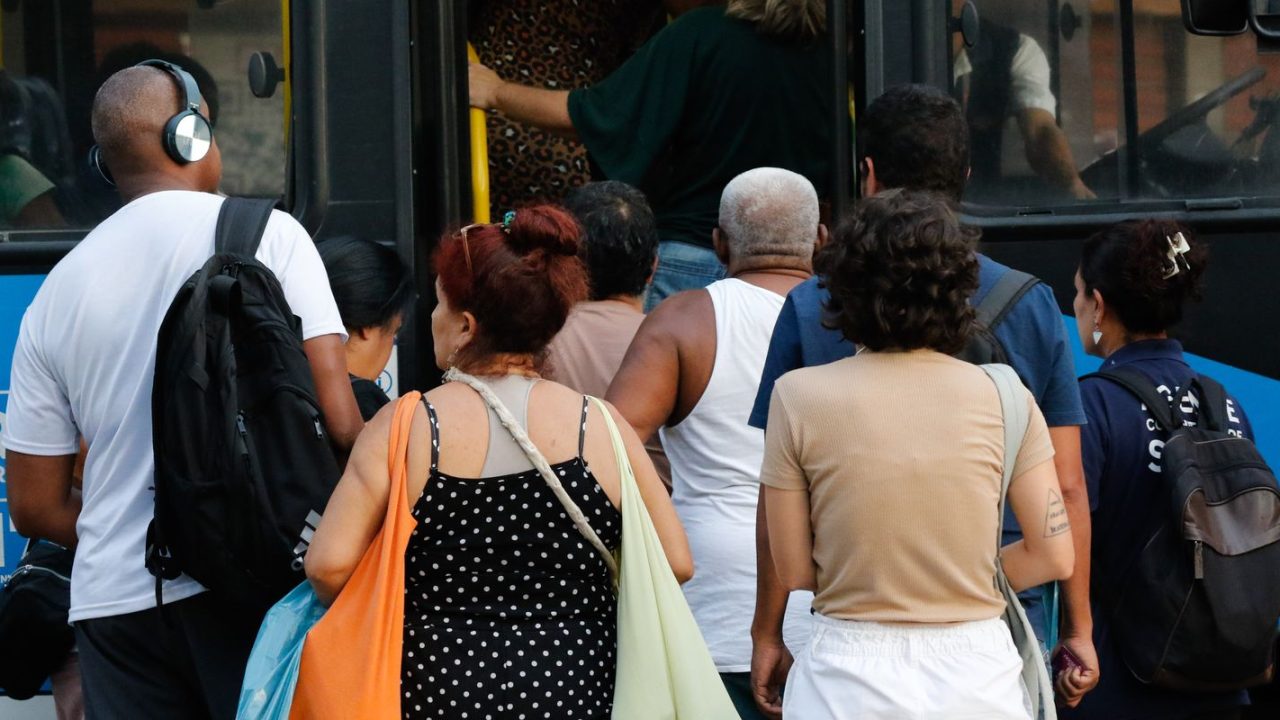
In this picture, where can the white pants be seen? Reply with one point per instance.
(869, 671)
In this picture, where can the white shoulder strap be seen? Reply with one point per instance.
(1013, 407)
(539, 462)
(1016, 414)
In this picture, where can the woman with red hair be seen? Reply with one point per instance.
(508, 603)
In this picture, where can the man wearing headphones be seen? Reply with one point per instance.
(84, 365)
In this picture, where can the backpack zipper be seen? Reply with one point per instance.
(36, 568)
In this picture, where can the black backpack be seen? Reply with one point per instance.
(1198, 606)
(33, 619)
(243, 463)
(983, 348)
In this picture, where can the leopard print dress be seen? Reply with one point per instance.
(558, 45)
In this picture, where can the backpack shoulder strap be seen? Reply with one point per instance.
(241, 222)
(1016, 418)
(1141, 387)
(1006, 293)
(1213, 402)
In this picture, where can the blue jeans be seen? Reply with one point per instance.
(682, 266)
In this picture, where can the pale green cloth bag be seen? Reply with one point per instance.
(664, 670)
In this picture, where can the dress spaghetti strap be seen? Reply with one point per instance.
(582, 427)
(435, 433)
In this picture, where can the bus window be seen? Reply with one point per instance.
(1061, 119)
(55, 55)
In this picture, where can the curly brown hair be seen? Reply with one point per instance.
(900, 272)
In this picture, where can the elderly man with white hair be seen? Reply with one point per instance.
(691, 375)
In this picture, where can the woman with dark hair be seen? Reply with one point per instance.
(1132, 284)
(373, 290)
(509, 606)
(883, 476)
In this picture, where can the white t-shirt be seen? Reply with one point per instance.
(1029, 73)
(84, 363)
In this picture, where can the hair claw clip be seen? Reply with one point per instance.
(1178, 247)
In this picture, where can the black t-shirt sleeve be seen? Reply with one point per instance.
(369, 397)
(627, 119)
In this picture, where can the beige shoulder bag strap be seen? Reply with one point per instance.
(539, 462)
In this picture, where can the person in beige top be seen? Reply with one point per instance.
(620, 251)
(883, 478)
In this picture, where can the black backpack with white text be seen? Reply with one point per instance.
(243, 463)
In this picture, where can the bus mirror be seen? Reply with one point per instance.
(1264, 18)
(1218, 17)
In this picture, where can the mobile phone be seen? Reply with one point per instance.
(1065, 661)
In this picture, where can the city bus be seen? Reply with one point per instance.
(353, 115)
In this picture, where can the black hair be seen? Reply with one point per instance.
(1127, 264)
(370, 283)
(918, 139)
(900, 271)
(620, 236)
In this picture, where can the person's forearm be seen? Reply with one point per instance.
(546, 109)
(1026, 569)
(1050, 156)
(44, 502)
(1078, 615)
(771, 596)
(56, 523)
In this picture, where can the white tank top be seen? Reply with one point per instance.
(715, 455)
(715, 474)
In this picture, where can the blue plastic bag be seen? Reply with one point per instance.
(272, 672)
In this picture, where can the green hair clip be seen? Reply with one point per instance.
(507, 219)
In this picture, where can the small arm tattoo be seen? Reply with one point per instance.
(1055, 519)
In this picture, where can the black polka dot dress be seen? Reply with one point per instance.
(509, 611)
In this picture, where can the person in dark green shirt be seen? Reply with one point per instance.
(719, 91)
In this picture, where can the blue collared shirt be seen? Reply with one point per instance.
(1033, 336)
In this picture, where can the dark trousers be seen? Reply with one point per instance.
(739, 687)
(185, 661)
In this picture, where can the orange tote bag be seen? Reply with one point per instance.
(351, 658)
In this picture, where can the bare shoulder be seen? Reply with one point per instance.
(679, 316)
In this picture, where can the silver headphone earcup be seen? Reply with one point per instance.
(188, 137)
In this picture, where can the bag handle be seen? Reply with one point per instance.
(398, 452)
(1017, 418)
(539, 461)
